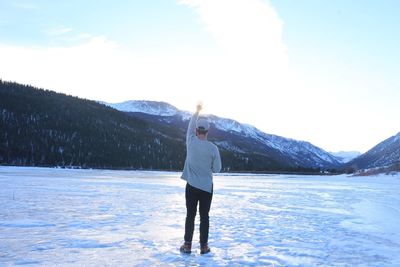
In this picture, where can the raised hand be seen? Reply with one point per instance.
(199, 107)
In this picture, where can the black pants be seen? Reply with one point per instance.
(193, 196)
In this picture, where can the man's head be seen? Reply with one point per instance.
(202, 127)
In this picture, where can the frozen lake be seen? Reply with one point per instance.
(64, 217)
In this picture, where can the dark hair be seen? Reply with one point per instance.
(201, 130)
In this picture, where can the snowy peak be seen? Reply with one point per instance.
(346, 156)
(148, 107)
(229, 125)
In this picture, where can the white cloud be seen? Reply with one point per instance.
(81, 70)
(246, 29)
(100, 69)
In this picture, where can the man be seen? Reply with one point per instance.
(202, 160)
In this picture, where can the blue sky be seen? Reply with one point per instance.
(320, 71)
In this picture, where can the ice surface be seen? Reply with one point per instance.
(58, 217)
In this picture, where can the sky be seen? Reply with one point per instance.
(319, 71)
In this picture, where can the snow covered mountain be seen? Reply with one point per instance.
(385, 153)
(148, 107)
(242, 139)
(301, 152)
(346, 156)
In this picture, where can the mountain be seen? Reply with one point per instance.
(243, 141)
(346, 156)
(385, 153)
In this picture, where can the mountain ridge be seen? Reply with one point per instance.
(384, 154)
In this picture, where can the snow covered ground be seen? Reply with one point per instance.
(58, 217)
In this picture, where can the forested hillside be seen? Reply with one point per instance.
(43, 128)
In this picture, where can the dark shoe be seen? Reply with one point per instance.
(186, 247)
(204, 249)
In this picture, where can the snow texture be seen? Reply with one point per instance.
(60, 217)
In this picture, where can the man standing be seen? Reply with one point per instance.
(202, 160)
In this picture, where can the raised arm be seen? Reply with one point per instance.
(191, 132)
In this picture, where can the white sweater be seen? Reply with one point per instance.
(202, 159)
